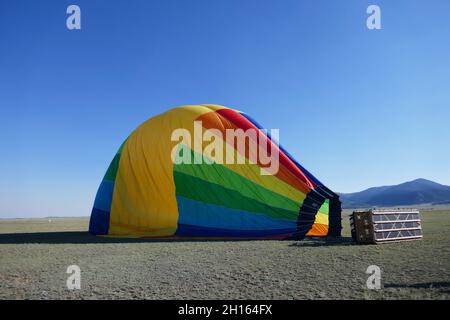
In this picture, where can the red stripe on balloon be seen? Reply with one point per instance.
(241, 122)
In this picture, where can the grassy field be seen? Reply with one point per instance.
(34, 256)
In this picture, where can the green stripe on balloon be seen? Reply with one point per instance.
(220, 175)
(111, 173)
(325, 208)
(198, 189)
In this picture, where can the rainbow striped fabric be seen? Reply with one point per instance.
(148, 191)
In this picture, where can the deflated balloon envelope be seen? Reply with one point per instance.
(150, 190)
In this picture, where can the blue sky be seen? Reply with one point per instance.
(357, 107)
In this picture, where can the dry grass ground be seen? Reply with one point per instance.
(34, 255)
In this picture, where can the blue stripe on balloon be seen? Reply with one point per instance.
(99, 223)
(185, 230)
(195, 213)
(103, 199)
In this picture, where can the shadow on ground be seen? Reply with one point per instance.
(80, 237)
(318, 242)
(442, 286)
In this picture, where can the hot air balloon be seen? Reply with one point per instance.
(163, 182)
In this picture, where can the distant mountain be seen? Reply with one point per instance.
(419, 191)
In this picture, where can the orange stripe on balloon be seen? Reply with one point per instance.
(318, 230)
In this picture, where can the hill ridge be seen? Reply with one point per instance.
(418, 191)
